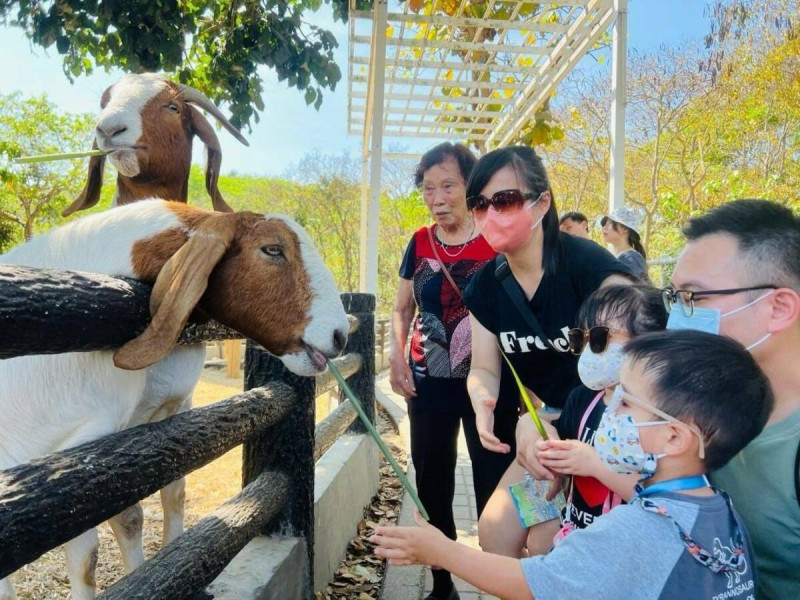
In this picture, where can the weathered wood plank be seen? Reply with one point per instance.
(335, 424)
(348, 364)
(193, 560)
(50, 500)
(49, 312)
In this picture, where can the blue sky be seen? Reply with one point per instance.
(288, 128)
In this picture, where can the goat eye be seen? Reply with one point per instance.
(174, 107)
(273, 251)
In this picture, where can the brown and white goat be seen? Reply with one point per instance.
(146, 124)
(259, 274)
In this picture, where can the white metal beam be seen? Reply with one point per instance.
(456, 45)
(368, 266)
(423, 134)
(438, 125)
(443, 99)
(562, 69)
(535, 89)
(526, 26)
(500, 85)
(619, 55)
(439, 112)
(456, 66)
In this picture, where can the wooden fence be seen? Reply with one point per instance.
(50, 500)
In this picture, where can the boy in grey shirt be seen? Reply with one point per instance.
(687, 402)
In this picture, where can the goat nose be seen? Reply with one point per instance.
(110, 131)
(339, 340)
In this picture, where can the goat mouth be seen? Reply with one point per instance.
(114, 150)
(316, 357)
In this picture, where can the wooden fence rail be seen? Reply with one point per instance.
(48, 501)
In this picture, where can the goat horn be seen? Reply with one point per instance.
(195, 97)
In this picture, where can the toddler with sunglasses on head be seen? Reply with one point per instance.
(686, 403)
(607, 319)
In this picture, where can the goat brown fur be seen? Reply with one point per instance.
(163, 152)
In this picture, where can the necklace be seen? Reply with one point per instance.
(463, 245)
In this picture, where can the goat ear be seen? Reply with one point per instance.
(94, 183)
(179, 286)
(206, 133)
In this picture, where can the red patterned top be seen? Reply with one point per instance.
(441, 341)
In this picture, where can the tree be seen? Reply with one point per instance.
(664, 87)
(35, 194)
(215, 46)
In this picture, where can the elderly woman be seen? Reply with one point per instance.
(438, 264)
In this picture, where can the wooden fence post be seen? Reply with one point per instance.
(233, 358)
(362, 342)
(380, 334)
(288, 448)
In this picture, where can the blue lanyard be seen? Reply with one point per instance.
(673, 485)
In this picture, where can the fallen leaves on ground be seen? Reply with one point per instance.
(360, 575)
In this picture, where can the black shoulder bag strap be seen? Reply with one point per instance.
(514, 292)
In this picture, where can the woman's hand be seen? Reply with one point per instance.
(483, 384)
(527, 436)
(420, 545)
(400, 377)
(569, 457)
(484, 423)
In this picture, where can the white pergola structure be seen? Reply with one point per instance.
(445, 73)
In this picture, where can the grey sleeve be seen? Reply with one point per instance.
(627, 553)
(636, 263)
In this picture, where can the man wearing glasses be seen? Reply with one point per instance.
(739, 276)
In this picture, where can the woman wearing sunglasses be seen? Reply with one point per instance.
(524, 303)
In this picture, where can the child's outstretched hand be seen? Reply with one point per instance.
(421, 545)
(569, 457)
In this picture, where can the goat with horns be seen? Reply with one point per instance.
(146, 124)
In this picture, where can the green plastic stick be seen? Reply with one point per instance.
(63, 156)
(525, 398)
(377, 437)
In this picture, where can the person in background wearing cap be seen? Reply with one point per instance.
(621, 230)
(575, 223)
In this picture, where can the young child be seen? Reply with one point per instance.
(687, 402)
(608, 318)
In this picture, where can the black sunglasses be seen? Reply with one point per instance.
(686, 297)
(501, 201)
(596, 336)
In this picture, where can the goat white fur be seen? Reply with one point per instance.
(54, 402)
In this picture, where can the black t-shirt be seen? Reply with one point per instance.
(582, 266)
(588, 494)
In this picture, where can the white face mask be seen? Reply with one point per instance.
(599, 371)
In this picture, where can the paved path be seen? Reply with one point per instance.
(414, 583)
